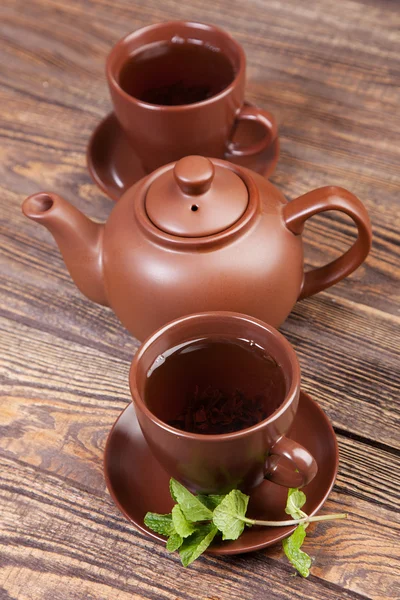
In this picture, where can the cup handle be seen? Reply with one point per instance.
(253, 113)
(297, 212)
(305, 466)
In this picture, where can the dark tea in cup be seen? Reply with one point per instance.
(214, 385)
(176, 72)
(232, 377)
(178, 90)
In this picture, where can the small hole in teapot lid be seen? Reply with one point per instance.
(194, 184)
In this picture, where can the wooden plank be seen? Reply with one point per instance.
(350, 367)
(57, 419)
(368, 473)
(349, 358)
(58, 426)
(60, 398)
(330, 74)
(57, 534)
(328, 134)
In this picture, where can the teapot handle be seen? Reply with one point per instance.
(297, 212)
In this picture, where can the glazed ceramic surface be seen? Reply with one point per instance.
(161, 134)
(115, 165)
(214, 464)
(199, 235)
(138, 483)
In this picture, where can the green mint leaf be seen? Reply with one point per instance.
(295, 501)
(229, 514)
(174, 542)
(197, 543)
(192, 508)
(159, 523)
(182, 526)
(210, 500)
(291, 546)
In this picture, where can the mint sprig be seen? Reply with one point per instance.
(197, 543)
(291, 545)
(229, 515)
(296, 499)
(191, 506)
(160, 523)
(174, 542)
(196, 520)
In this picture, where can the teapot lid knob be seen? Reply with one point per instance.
(196, 197)
(194, 174)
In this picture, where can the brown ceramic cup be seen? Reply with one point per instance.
(161, 134)
(218, 463)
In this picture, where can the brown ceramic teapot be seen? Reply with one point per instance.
(199, 235)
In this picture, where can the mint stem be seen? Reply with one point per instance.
(293, 521)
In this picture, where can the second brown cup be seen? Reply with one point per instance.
(219, 462)
(162, 132)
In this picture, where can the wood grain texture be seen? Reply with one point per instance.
(75, 535)
(330, 73)
(61, 427)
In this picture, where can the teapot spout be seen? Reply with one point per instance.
(79, 239)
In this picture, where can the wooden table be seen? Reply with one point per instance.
(329, 71)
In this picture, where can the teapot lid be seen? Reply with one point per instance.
(196, 198)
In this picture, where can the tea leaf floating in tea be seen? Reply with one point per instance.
(213, 412)
(196, 520)
(216, 385)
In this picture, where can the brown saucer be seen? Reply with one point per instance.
(138, 484)
(115, 167)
